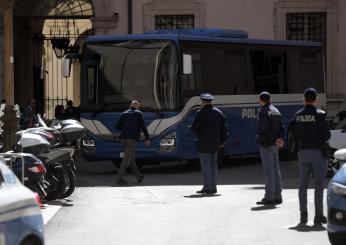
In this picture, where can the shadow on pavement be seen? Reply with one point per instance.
(236, 171)
(307, 228)
(202, 195)
(262, 208)
(63, 203)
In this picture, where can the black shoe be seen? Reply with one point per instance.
(140, 179)
(320, 219)
(121, 182)
(201, 191)
(303, 217)
(212, 192)
(278, 201)
(265, 202)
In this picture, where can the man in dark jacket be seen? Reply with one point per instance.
(211, 130)
(29, 118)
(311, 131)
(131, 123)
(71, 112)
(270, 133)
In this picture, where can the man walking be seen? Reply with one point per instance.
(211, 130)
(311, 131)
(131, 123)
(270, 130)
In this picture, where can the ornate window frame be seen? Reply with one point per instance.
(173, 7)
(331, 7)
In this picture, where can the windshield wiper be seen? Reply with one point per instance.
(106, 105)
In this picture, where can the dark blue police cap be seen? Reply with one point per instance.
(206, 96)
(264, 96)
(310, 94)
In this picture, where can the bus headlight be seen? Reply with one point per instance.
(88, 143)
(168, 144)
(338, 189)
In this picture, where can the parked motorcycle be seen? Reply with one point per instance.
(52, 146)
(33, 174)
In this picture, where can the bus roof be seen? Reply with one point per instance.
(201, 35)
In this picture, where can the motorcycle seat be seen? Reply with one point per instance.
(56, 156)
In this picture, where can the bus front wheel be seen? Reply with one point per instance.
(194, 164)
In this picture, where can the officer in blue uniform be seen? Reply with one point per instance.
(211, 131)
(269, 137)
(311, 131)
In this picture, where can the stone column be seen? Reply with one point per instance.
(9, 119)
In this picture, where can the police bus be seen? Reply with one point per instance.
(167, 70)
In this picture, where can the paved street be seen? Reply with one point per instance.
(165, 210)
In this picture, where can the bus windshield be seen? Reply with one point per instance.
(114, 73)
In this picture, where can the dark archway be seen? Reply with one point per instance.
(29, 18)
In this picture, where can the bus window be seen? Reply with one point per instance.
(117, 72)
(269, 71)
(217, 68)
(305, 69)
(166, 78)
(91, 81)
(191, 84)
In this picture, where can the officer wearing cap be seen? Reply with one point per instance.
(311, 131)
(211, 131)
(269, 137)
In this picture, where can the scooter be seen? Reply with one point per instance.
(33, 174)
(55, 176)
(59, 159)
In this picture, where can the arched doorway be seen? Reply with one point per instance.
(37, 23)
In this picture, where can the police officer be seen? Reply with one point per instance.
(211, 131)
(131, 123)
(311, 131)
(270, 132)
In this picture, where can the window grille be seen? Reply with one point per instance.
(307, 27)
(174, 21)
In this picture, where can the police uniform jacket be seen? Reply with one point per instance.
(131, 123)
(210, 128)
(270, 125)
(310, 128)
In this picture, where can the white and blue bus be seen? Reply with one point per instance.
(168, 69)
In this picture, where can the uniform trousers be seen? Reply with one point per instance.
(312, 161)
(271, 170)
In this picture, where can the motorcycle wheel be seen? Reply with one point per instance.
(61, 187)
(71, 183)
(39, 190)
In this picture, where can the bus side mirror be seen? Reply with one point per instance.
(66, 68)
(187, 64)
